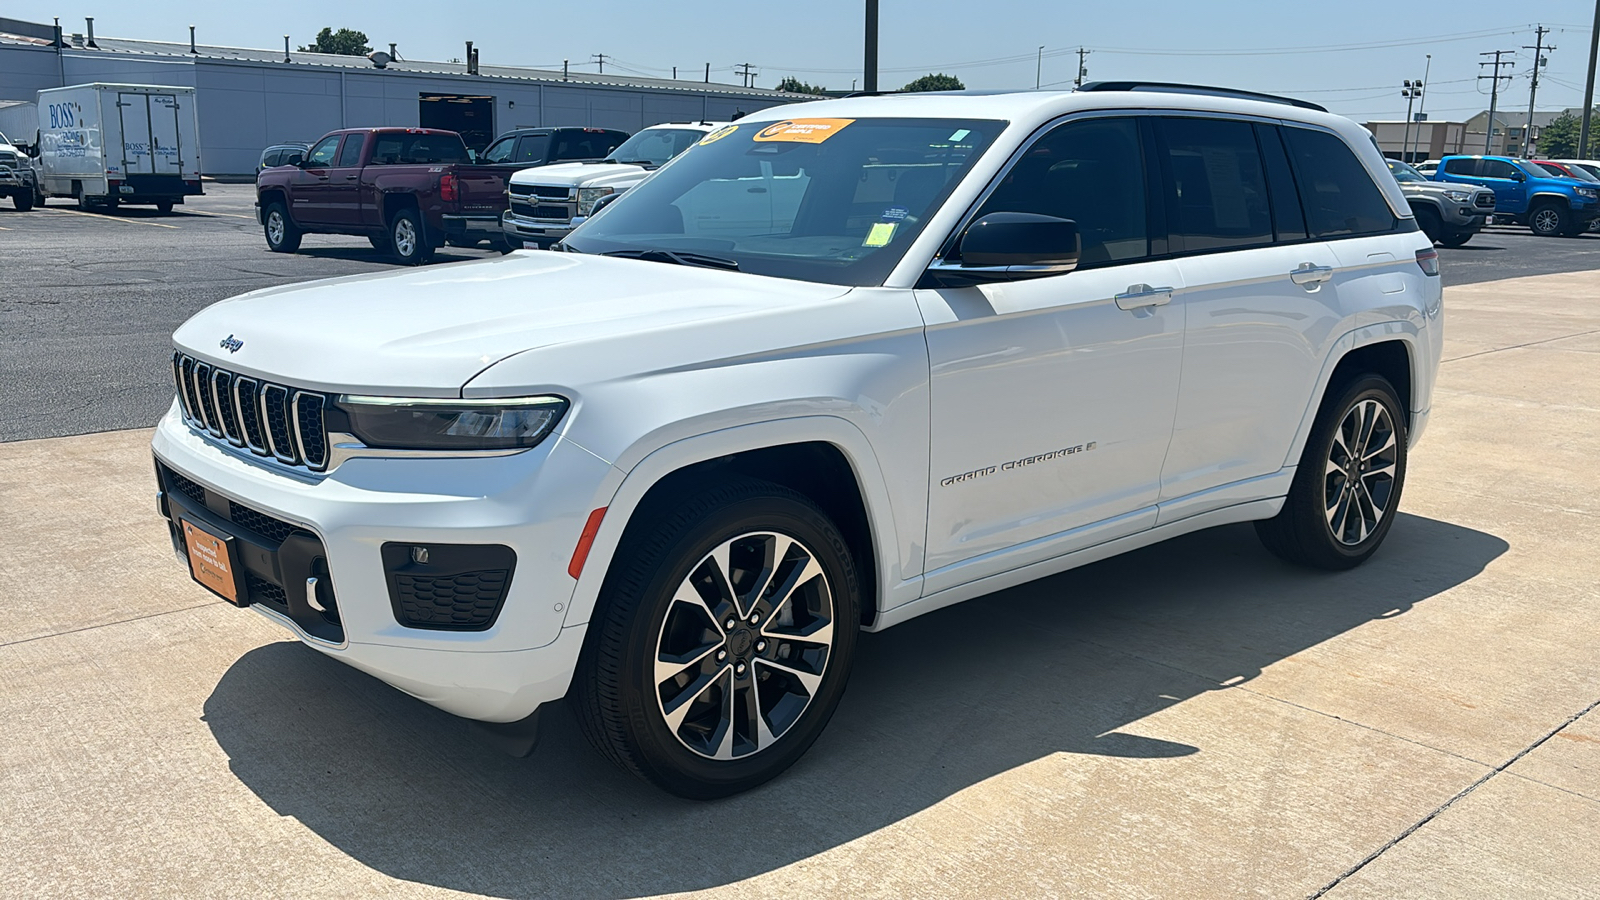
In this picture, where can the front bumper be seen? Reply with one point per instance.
(543, 232)
(534, 502)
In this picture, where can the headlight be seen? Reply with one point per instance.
(588, 197)
(1591, 193)
(417, 424)
(1458, 196)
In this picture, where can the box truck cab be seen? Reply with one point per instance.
(105, 144)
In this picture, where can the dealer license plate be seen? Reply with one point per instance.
(213, 563)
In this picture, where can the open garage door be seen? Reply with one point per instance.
(471, 115)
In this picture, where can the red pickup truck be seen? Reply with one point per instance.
(408, 190)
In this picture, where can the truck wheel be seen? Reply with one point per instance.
(24, 201)
(1549, 219)
(725, 639)
(1456, 240)
(1346, 491)
(164, 207)
(282, 235)
(407, 241)
(1430, 223)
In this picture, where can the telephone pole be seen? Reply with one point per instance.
(869, 66)
(746, 72)
(601, 57)
(1082, 69)
(1494, 91)
(1538, 49)
(1038, 68)
(1588, 85)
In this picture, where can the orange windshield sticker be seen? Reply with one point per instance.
(719, 134)
(802, 131)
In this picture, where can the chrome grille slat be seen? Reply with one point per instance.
(269, 420)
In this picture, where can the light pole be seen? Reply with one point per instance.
(1411, 91)
(1588, 85)
(1038, 68)
(1422, 102)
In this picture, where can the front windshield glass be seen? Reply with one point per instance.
(1403, 172)
(829, 200)
(1577, 172)
(654, 146)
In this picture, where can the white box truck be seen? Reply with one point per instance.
(105, 144)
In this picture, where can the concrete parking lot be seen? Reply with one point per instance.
(88, 301)
(1192, 720)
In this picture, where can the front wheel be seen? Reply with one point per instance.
(725, 636)
(282, 235)
(24, 201)
(1549, 220)
(1346, 491)
(407, 242)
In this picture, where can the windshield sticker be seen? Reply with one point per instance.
(880, 235)
(719, 134)
(959, 135)
(895, 214)
(802, 131)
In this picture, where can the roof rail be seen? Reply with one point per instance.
(1173, 88)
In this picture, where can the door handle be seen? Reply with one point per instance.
(1309, 274)
(351, 177)
(322, 178)
(1139, 296)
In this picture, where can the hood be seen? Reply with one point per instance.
(1438, 188)
(428, 331)
(582, 175)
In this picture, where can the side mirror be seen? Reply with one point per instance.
(602, 203)
(1519, 175)
(1012, 246)
(294, 159)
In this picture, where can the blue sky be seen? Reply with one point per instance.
(1350, 56)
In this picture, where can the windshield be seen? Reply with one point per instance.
(655, 146)
(1572, 171)
(829, 200)
(1403, 172)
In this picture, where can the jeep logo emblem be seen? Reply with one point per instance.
(231, 344)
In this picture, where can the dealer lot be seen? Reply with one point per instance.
(1194, 719)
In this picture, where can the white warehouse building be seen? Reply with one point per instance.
(250, 99)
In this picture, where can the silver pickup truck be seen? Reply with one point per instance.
(547, 202)
(17, 178)
(1449, 213)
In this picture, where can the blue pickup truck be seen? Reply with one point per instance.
(1527, 194)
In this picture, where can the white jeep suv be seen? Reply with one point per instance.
(836, 366)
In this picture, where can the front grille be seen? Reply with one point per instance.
(7, 157)
(264, 591)
(548, 192)
(466, 600)
(270, 420)
(259, 522)
(1484, 200)
(187, 487)
(562, 212)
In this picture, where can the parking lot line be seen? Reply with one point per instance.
(74, 212)
(229, 215)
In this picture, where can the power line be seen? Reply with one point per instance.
(1494, 91)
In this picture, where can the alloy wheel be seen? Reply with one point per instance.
(744, 645)
(275, 227)
(405, 238)
(1359, 477)
(1546, 221)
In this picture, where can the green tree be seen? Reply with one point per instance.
(344, 42)
(939, 82)
(1559, 139)
(795, 86)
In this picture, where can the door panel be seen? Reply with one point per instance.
(309, 187)
(166, 153)
(343, 187)
(134, 112)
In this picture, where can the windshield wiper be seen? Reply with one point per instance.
(678, 257)
(647, 163)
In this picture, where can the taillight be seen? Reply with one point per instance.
(447, 187)
(1429, 261)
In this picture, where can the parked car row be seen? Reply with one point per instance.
(1550, 197)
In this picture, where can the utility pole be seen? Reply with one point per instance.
(746, 72)
(1038, 68)
(1082, 69)
(1588, 87)
(869, 72)
(1538, 49)
(601, 57)
(1494, 91)
(1411, 91)
(1422, 101)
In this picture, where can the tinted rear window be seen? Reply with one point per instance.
(1339, 197)
(1217, 188)
(1461, 166)
(418, 149)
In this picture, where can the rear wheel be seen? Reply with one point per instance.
(1549, 219)
(725, 638)
(164, 207)
(1457, 239)
(1346, 490)
(282, 235)
(407, 242)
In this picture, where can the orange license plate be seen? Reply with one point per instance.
(212, 562)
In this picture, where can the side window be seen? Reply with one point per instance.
(1090, 171)
(1288, 219)
(1498, 168)
(1339, 197)
(321, 156)
(1216, 187)
(532, 147)
(613, 140)
(271, 158)
(500, 151)
(574, 145)
(350, 153)
(1461, 165)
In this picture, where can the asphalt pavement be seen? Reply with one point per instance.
(88, 301)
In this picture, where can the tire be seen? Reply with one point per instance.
(1549, 219)
(24, 201)
(407, 241)
(1458, 239)
(1311, 530)
(714, 749)
(1430, 223)
(282, 235)
(164, 207)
